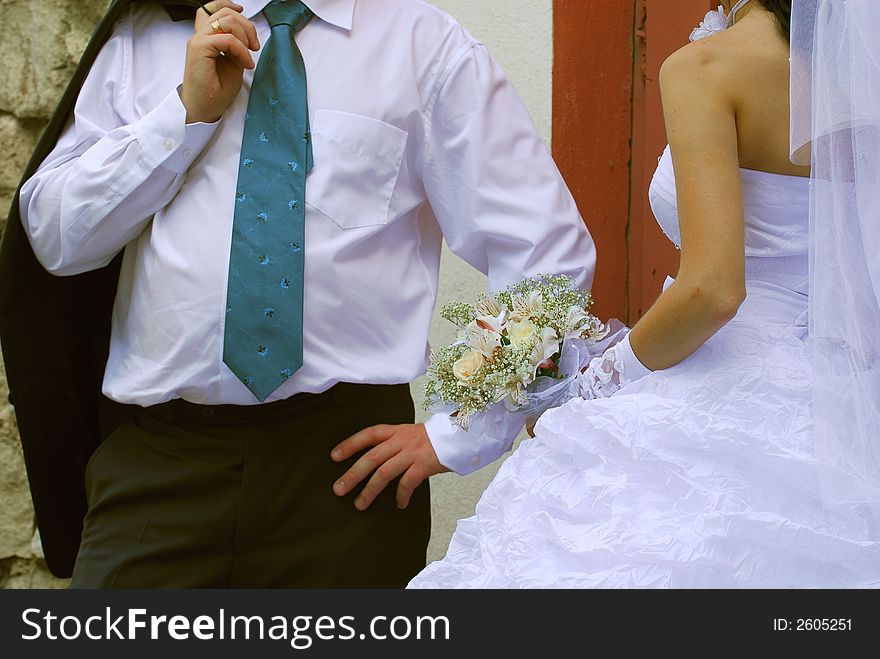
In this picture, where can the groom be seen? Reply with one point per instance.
(279, 176)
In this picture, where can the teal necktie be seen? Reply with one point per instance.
(262, 341)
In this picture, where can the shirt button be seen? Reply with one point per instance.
(187, 153)
(475, 460)
(207, 412)
(169, 144)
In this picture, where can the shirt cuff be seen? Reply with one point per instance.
(167, 140)
(465, 452)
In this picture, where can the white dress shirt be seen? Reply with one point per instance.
(417, 135)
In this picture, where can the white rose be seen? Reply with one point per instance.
(522, 333)
(466, 369)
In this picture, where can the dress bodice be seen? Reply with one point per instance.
(776, 223)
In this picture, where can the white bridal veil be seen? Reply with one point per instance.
(835, 55)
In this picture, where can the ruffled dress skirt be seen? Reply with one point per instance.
(698, 476)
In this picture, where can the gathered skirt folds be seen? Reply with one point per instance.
(701, 475)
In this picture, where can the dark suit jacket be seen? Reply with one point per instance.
(55, 334)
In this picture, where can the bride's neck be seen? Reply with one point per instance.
(742, 13)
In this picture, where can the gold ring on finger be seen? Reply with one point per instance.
(218, 27)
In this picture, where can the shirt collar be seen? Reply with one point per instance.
(336, 12)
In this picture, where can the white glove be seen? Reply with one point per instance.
(614, 369)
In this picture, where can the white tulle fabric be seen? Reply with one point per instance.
(836, 128)
(701, 475)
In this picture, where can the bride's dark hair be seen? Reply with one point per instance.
(782, 10)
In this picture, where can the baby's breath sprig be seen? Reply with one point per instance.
(458, 313)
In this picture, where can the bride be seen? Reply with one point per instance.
(731, 439)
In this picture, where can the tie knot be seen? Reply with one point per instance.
(287, 12)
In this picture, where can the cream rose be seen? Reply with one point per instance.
(522, 333)
(468, 366)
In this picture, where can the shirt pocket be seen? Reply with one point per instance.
(357, 162)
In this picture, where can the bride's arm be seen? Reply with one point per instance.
(701, 125)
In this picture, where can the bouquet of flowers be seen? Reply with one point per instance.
(518, 351)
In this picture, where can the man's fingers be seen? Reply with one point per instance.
(214, 8)
(360, 441)
(251, 30)
(368, 463)
(386, 473)
(230, 46)
(216, 5)
(234, 29)
(234, 23)
(408, 484)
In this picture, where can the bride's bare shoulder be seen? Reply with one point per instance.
(742, 56)
(700, 68)
(712, 50)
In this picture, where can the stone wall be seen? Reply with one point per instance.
(41, 45)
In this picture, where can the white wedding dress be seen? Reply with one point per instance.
(700, 475)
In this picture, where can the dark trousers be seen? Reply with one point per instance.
(188, 496)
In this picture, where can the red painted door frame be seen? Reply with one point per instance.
(608, 133)
(592, 129)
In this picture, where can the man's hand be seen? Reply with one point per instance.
(215, 63)
(531, 422)
(396, 450)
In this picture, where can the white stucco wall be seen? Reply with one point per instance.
(519, 33)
